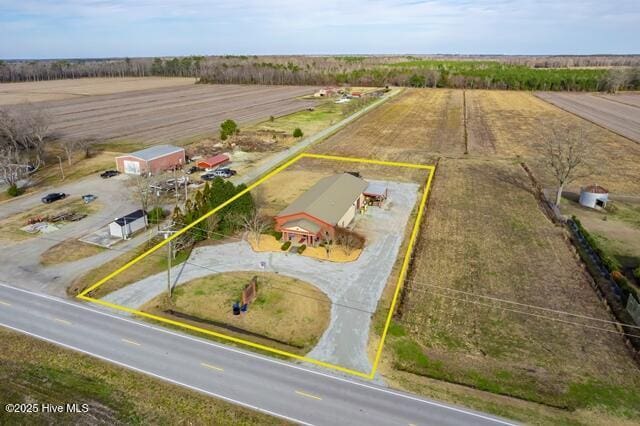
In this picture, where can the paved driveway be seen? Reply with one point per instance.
(354, 287)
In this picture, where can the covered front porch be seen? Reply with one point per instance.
(301, 231)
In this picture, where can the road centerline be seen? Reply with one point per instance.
(4, 303)
(131, 342)
(308, 395)
(62, 321)
(212, 367)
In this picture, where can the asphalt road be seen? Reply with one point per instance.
(275, 387)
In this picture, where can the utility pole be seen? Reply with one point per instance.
(169, 258)
(167, 234)
(61, 170)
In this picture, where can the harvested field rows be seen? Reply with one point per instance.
(511, 123)
(415, 126)
(486, 236)
(169, 114)
(619, 113)
(39, 91)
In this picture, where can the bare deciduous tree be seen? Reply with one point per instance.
(349, 240)
(255, 224)
(24, 128)
(144, 189)
(565, 151)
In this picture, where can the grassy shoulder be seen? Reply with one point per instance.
(150, 265)
(32, 371)
(68, 251)
(287, 311)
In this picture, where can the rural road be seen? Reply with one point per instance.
(354, 288)
(275, 387)
(260, 169)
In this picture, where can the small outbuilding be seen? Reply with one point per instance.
(376, 194)
(155, 159)
(125, 226)
(594, 196)
(212, 162)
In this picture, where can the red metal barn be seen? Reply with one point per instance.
(211, 162)
(153, 160)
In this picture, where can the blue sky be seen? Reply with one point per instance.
(106, 28)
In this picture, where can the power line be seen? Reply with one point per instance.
(496, 299)
(537, 316)
(414, 288)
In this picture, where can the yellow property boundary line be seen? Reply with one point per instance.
(401, 277)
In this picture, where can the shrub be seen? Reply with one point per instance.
(302, 248)
(228, 128)
(156, 215)
(285, 246)
(271, 118)
(297, 132)
(14, 191)
(277, 235)
(636, 272)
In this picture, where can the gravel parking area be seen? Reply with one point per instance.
(354, 288)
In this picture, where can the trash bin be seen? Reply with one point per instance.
(236, 308)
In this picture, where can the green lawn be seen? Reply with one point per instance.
(33, 371)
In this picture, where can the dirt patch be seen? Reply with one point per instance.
(44, 213)
(68, 251)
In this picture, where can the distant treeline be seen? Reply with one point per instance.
(580, 73)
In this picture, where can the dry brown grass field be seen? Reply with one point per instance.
(404, 129)
(39, 91)
(511, 124)
(484, 234)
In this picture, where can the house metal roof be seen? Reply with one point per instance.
(215, 160)
(131, 217)
(156, 151)
(302, 223)
(329, 199)
(595, 189)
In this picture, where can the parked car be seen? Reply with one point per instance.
(109, 173)
(54, 196)
(193, 169)
(208, 176)
(181, 181)
(221, 173)
(88, 198)
(228, 170)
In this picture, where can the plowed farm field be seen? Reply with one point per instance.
(169, 114)
(620, 113)
(509, 124)
(39, 91)
(485, 238)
